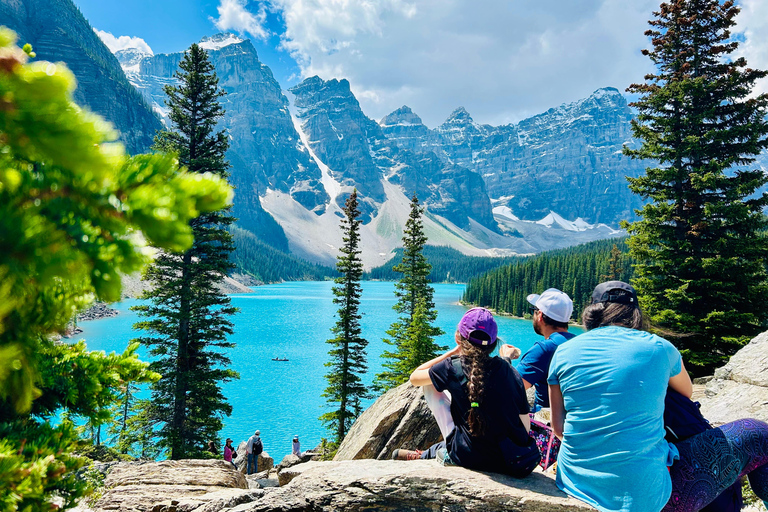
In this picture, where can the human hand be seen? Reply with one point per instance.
(509, 351)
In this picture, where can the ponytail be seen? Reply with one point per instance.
(475, 359)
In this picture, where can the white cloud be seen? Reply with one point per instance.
(501, 60)
(123, 42)
(752, 23)
(233, 15)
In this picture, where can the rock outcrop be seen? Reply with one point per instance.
(204, 485)
(263, 462)
(398, 419)
(412, 485)
(740, 388)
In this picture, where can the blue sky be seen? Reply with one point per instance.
(170, 26)
(503, 60)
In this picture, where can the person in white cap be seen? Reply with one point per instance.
(551, 313)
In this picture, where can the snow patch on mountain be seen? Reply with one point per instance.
(219, 41)
(332, 187)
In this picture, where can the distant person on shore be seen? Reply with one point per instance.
(487, 415)
(229, 452)
(212, 448)
(296, 447)
(607, 389)
(253, 448)
(551, 313)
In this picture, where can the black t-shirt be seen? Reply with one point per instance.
(503, 403)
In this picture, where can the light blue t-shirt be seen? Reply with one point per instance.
(613, 382)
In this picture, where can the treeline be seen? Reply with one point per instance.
(576, 271)
(270, 265)
(448, 265)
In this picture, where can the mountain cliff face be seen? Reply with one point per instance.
(265, 149)
(566, 160)
(58, 32)
(359, 154)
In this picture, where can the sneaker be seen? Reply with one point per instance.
(401, 454)
(443, 458)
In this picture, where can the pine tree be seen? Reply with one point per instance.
(348, 357)
(700, 242)
(188, 318)
(412, 289)
(71, 207)
(615, 269)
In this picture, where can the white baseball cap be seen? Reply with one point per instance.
(555, 304)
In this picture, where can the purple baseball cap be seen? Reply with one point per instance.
(478, 326)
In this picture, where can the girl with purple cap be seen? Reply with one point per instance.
(487, 428)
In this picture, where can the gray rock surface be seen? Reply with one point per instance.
(409, 485)
(398, 419)
(740, 388)
(204, 485)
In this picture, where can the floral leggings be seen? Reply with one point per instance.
(713, 460)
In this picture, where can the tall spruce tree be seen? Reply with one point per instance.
(414, 344)
(188, 316)
(348, 356)
(700, 243)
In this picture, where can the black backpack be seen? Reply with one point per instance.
(257, 447)
(682, 419)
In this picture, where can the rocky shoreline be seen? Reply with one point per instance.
(96, 311)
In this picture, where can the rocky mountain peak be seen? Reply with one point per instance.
(459, 117)
(131, 58)
(219, 41)
(403, 116)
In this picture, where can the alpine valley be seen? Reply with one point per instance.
(554, 180)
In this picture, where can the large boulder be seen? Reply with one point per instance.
(140, 486)
(740, 388)
(356, 485)
(400, 418)
(263, 463)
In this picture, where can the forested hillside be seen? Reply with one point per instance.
(576, 271)
(267, 264)
(448, 265)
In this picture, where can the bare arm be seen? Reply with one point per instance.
(420, 376)
(557, 410)
(682, 382)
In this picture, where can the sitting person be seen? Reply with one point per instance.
(607, 389)
(551, 313)
(487, 424)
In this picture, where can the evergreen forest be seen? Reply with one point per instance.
(269, 265)
(448, 265)
(575, 270)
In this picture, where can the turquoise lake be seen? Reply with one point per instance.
(293, 320)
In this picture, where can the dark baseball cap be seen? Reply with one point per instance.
(478, 326)
(617, 292)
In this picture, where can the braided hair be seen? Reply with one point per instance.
(474, 361)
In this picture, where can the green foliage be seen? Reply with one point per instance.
(187, 317)
(575, 270)
(345, 389)
(448, 265)
(413, 333)
(699, 243)
(270, 265)
(72, 209)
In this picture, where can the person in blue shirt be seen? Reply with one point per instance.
(607, 390)
(551, 313)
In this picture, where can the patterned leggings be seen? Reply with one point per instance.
(713, 460)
